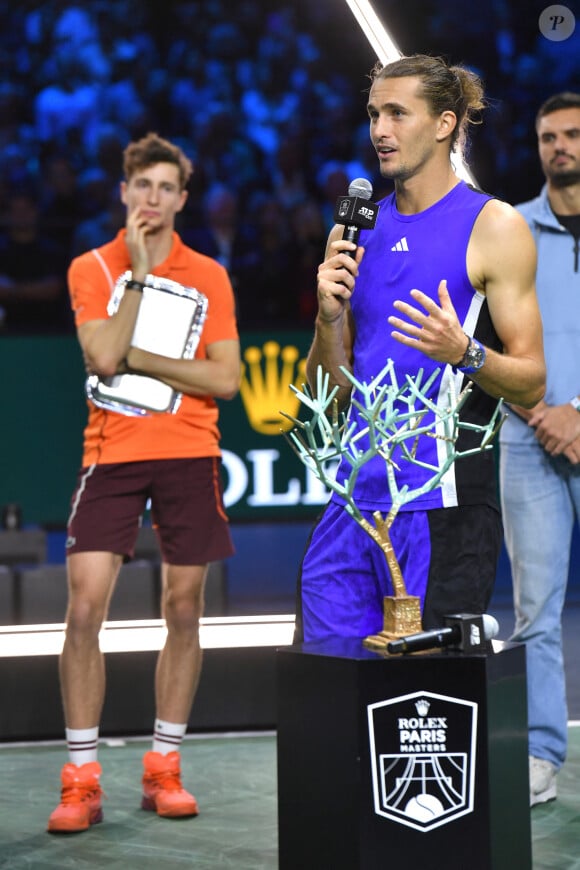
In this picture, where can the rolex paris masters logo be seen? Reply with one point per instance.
(423, 758)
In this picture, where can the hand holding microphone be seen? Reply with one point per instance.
(356, 212)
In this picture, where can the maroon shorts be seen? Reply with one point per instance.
(186, 509)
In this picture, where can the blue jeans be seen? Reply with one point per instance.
(540, 498)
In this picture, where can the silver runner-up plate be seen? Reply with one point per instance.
(169, 323)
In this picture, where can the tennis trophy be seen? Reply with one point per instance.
(170, 322)
(395, 417)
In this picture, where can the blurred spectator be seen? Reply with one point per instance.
(267, 294)
(190, 93)
(60, 204)
(103, 212)
(269, 102)
(561, 60)
(260, 94)
(289, 174)
(67, 108)
(18, 142)
(224, 154)
(33, 291)
(505, 39)
(223, 235)
(106, 149)
(126, 93)
(76, 34)
(309, 232)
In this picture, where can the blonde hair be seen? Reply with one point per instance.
(443, 87)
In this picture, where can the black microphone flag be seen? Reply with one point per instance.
(466, 632)
(356, 212)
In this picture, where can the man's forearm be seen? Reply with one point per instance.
(328, 351)
(105, 343)
(518, 381)
(196, 377)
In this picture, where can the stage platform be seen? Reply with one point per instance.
(229, 761)
(234, 779)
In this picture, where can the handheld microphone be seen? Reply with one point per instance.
(462, 631)
(356, 212)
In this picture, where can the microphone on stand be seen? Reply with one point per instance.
(356, 212)
(465, 632)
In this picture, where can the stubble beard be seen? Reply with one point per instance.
(399, 173)
(562, 178)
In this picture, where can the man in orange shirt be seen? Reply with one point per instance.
(171, 458)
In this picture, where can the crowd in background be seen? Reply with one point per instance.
(268, 100)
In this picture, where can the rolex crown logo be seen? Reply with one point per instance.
(422, 707)
(265, 387)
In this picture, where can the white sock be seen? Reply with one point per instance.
(82, 744)
(167, 736)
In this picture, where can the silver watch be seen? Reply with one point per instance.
(473, 359)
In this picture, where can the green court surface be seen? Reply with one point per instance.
(234, 779)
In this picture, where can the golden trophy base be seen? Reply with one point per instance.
(402, 616)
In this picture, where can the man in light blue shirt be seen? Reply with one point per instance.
(540, 448)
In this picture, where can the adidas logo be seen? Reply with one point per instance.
(401, 245)
(265, 387)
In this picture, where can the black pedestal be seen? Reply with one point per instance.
(402, 761)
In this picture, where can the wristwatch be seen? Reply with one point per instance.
(575, 402)
(473, 359)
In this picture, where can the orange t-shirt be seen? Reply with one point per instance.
(192, 431)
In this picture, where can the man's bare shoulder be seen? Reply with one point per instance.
(498, 220)
(501, 247)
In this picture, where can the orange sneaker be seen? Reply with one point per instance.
(80, 805)
(162, 789)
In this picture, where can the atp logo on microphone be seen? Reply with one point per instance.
(366, 213)
(362, 213)
(423, 750)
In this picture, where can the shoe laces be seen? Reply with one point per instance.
(77, 793)
(168, 780)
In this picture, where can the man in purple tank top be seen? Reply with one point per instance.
(444, 281)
